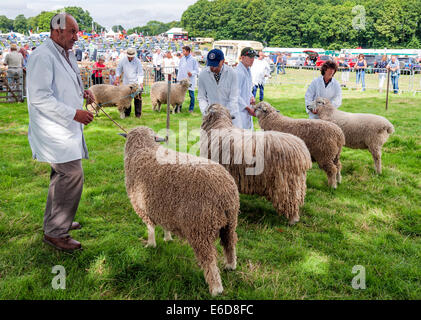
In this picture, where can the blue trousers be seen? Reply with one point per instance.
(281, 67)
(191, 94)
(261, 89)
(395, 80)
(361, 77)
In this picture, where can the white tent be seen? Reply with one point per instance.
(111, 33)
(174, 32)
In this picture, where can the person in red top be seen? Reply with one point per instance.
(97, 71)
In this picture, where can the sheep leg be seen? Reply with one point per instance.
(167, 235)
(151, 236)
(331, 170)
(159, 106)
(228, 241)
(376, 152)
(338, 164)
(205, 252)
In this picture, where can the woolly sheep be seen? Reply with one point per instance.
(157, 186)
(281, 160)
(323, 139)
(119, 96)
(159, 93)
(361, 130)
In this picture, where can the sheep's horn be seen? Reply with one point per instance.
(123, 135)
(159, 139)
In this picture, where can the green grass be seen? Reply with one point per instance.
(370, 220)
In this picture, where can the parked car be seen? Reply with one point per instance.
(409, 63)
(322, 59)
(296, 62)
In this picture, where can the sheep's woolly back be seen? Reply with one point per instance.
(285, 160)
(108, 95)
(323, 139)
(178, 92)
(157, 188)
(361, 130)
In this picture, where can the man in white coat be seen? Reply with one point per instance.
(218, 84)
(188, 69)
(324, 86)
(245, 86)
(260, 70)
(56, 119)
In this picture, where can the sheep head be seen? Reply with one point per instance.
(140, 138)
(185, 83)
(320, 105)
(133, 87)
(216, 115)
(263, 109)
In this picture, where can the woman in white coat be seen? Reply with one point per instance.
(324, 86)
(218, 84)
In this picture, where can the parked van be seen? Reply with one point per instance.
(232, 49)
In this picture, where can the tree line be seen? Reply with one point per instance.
(41, 22)
(330, 24)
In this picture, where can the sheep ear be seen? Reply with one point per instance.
(159, 139)
(123, 135)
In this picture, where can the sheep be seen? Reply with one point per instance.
(108, 95)
(178, 93)
(280, 160)
(323, 139)
(361, 130)
(194, 198)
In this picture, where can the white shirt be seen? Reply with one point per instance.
(224, 93)
(188, 64)
(157, 59)
(54, 95)
(317, 89)
(133, 71)
(114, 54)
(168, 65)
(245, 86)
(259, 70)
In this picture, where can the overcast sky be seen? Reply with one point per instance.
(128, 13)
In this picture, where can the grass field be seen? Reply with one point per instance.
(370, 220)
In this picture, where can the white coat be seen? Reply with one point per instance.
(259, 71)
(224, 93)
(53, 96)
(186, 65)
(317, 89)
(245, 86)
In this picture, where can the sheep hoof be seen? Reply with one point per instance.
(293, 221)
(231, 266)
(151, 245)
(216, 290)
(122, 115)
(168, 238)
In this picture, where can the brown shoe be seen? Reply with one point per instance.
(64, 244)
(75, 226)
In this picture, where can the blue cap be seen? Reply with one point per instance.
(214, 57)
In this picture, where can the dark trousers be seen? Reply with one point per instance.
(137, 107)
(262, 88)
(158, 73)
(191, 94)
(66, 184)
(97, 80)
